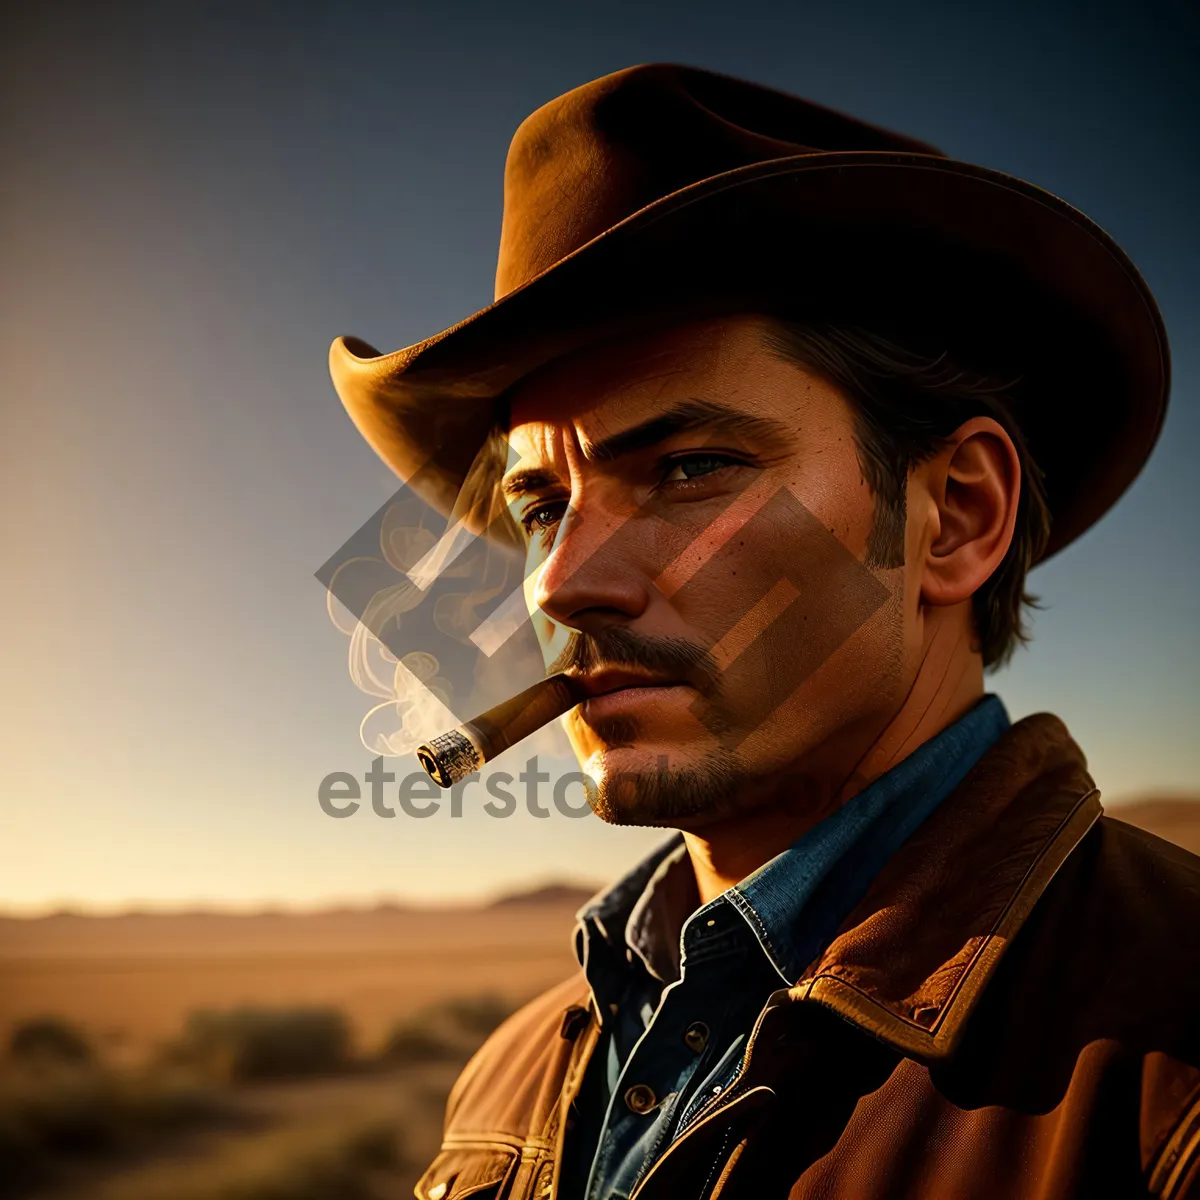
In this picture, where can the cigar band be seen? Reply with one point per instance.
(450, 757)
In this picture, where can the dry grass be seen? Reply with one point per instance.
(132, 984)
(131, 981)
(364, 1137)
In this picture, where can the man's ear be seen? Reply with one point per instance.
(973, 485)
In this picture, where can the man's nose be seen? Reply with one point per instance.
(593, 578)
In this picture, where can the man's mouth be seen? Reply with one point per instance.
(611, 690)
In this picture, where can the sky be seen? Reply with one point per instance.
(196, 198)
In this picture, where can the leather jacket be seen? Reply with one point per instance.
(1012, 1010)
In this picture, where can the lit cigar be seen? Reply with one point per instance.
(455, 755)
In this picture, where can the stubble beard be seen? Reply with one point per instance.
(663, 795)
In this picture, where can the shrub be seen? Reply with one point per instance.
(48, 1039)
(341, 1168)
(51, 1113)
(245, 1044)
(446, 1031)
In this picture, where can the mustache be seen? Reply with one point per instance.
(621, 648)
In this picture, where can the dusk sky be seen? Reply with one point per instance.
(195, 199)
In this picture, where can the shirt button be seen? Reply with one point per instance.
(695, 1037)
(640, 1098)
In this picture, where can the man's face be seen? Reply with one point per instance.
(695, 522)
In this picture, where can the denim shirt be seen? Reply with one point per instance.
(678, 998)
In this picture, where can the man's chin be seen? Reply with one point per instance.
(635, 786)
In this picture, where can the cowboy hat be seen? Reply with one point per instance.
(661, 185)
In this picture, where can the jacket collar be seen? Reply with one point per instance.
(910, 962)
(793, 903)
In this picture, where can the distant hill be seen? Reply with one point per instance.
(550, 895)
(564, 894)
(1175, 818)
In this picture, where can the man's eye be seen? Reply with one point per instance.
(681, 470)
(542, 517)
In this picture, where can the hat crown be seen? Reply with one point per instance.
(594, 156)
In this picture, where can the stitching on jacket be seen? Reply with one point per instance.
(1179, 1151)
(937, 1033)
(1187, 1160)
(690, 1132)
(490, 1140)
(1012, 900)
(717, 1163)
(510, 1159)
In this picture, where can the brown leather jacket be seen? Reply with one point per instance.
(1012, 1011)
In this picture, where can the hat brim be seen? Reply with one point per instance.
(1008, 273)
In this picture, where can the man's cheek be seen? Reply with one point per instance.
(697, 542)
(780, 597)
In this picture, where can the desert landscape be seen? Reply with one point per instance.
(131, 980)
(271, 1055)
(264, 1056)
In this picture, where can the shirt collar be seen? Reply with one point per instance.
(604, 919)
(834, 862)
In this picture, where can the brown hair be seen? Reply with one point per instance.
(906, 403)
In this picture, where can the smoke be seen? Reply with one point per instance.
(412, 591)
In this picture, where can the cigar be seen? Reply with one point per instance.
(455, 755)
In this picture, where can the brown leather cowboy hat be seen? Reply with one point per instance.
(662, 185)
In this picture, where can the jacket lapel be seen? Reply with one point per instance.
(909, 964)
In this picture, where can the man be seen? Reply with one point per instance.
(780, 408)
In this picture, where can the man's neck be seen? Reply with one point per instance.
(948, 684)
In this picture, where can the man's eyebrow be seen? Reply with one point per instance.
(687, 415)
(529, 479)
(684, 416)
